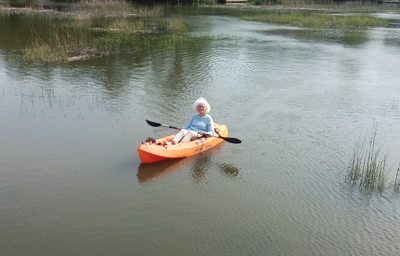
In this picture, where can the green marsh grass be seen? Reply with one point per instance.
(177, 25)
(367, 169)
(307, 19)
(97, 28)
(102, 8)
(127, 24)
(63, 45)
(113, 8)
(396, 186)
(331, 6)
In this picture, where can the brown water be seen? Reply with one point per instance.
(71, 182)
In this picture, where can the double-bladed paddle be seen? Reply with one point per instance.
(228, 139)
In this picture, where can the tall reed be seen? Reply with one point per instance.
(112, 8)
(396, 185)
(366, 169)
(103, 7)
(62, 45)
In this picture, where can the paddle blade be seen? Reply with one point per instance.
(154, 124)
(231, 140)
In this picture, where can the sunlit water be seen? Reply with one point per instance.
(71, 182)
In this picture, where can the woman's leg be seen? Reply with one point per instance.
(190, 135)
(184, 136)
(178, 137)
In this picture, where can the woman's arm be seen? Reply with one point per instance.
(188, 125)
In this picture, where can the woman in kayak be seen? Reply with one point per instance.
(200, 125)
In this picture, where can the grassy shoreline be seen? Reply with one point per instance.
(97, 28)
(125, 27)
(306, 19)
(309, 14)
(331, 7)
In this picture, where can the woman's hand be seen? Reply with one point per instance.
(179, 128)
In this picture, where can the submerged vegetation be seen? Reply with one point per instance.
(367, 169)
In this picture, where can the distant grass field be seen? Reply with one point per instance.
(125, 27)
(307, 19)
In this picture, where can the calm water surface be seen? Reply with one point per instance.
(71, 182)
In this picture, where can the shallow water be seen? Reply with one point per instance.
(71, 182)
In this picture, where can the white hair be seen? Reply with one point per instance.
(199, 101)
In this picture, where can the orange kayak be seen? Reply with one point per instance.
(155, 151)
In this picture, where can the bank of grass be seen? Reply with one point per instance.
(147, 26)
(102, 27)
(367, 169)
(307, 19)
(113, 8)
(321, 13)
(64, 45)
(124, 27)
(67, 44)
(31, 11)
(325, 5)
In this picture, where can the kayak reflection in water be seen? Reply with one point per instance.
(200, 125)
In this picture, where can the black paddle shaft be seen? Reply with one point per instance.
(228, 139)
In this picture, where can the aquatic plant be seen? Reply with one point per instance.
(307, 19)
(177, 25)
(146, 25)
(63, 45)
(326, 5)
(112, 8)
(101, 27)
(396, 185)
(126, 25)
(31, 11)
(366, 169)
(86, 9)
(102, 8)
(4, 5)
